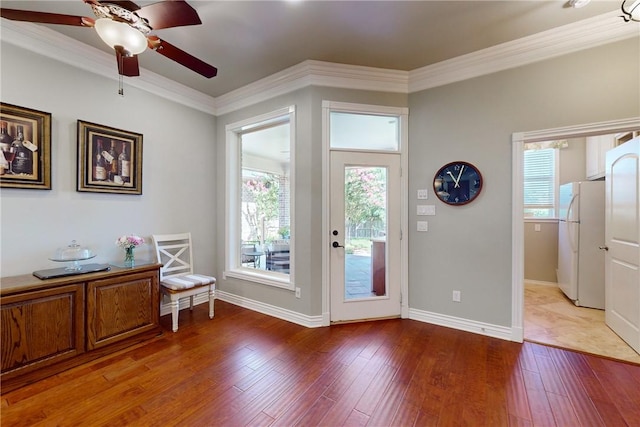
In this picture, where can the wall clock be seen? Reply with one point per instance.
(457, 183)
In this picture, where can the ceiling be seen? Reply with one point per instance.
(250, 40)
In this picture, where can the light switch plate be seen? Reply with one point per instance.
(423, 194)
(423, 226)
(426, 210)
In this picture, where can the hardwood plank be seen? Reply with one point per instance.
(586, 412)
(245, 368)
(562, 410)
(356, 419)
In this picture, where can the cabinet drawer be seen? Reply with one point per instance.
(121, 307)
(41, 328)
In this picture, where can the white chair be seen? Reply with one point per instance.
(177, 279)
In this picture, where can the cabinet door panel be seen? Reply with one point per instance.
(41, 328)
(121, 307)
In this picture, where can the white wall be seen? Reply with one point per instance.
(179, 192)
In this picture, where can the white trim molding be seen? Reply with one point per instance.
(271, 310)
(495, 331)
(260, 307)
(585, 34)
(313, 73)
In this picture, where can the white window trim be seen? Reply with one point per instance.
(233, 201)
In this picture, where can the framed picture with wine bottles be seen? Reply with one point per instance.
(25, 143)
(109, 159)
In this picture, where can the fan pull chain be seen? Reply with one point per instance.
(120, 77)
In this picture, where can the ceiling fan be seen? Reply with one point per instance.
(125, 27)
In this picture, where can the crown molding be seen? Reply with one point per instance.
(59, 47)
(313, 73)
(585, 34)
(622, 125)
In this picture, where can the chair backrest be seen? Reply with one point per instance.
(173, 251)
(247, 247)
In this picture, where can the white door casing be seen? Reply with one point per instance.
(622, 216)
(517, 200)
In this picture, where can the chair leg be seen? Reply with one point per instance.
(211, 299)
(175, 310)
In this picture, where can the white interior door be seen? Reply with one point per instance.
(622, 279)
(365, 235)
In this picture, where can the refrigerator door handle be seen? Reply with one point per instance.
(570, 208)
(570, 227)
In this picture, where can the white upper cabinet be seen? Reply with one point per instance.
(597, 147)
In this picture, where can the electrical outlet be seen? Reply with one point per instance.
(536, 227)
(297, 292)
(456, 296)
(423, 226)
(423, 194)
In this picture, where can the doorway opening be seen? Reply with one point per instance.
(364, 262)
(545, 303)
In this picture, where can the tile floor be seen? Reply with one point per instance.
(551, 318)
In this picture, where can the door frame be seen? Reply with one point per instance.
(402, 113)
(517, 221)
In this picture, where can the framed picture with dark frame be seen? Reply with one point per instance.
(25, 145)
(109, 159)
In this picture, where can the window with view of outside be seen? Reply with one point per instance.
(265, 211)
(365, 206)
(540, 183)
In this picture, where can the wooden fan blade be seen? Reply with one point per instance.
(168, 14)
(182, 57)
(127, 65)
(45, 18)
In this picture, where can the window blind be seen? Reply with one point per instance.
(539, 182)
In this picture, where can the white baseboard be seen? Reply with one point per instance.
(271, 310)
(165, 307)
(539, 282)
(495, 331)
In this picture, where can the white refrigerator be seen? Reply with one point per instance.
(580, 236)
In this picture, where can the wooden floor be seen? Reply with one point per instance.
(551, 318)
(245, 368)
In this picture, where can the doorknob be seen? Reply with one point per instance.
(606, 248)
(337, 245)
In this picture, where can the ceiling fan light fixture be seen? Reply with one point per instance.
(578, 3)
(631, 10)
(115, 33)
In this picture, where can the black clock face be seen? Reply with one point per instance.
(457, 183)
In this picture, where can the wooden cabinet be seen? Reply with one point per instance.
(121, 307)
(48, 326)
(41, 328)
